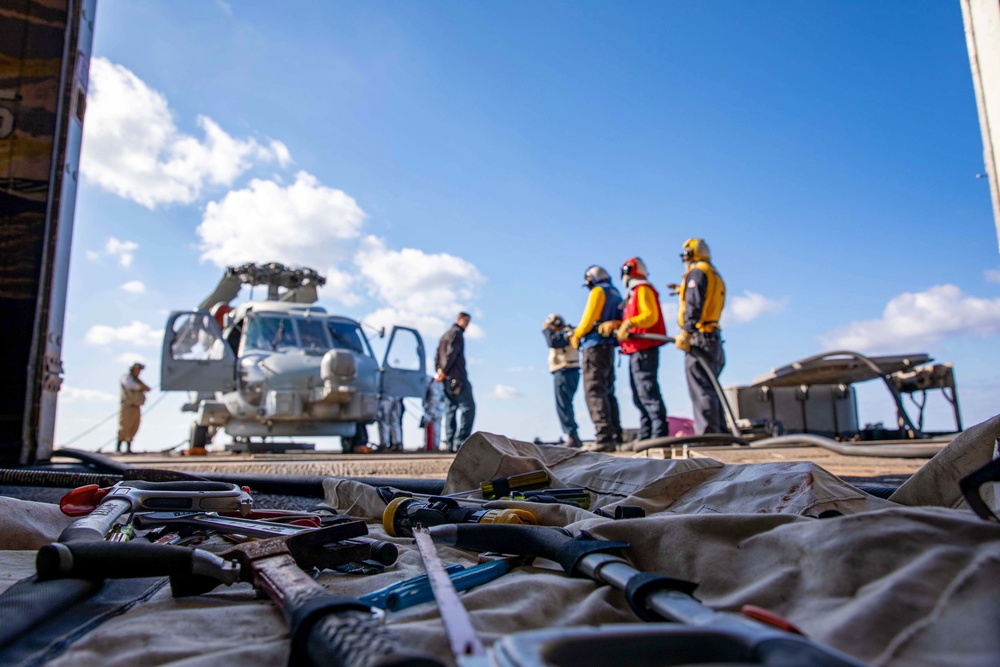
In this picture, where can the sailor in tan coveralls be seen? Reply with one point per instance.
(133, 391)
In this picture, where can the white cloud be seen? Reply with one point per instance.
(304, 223)
(419, 285)
(136, 333)
(505, 392)
(123, 250)
(992, 275)
(133, 148)
(70, 394)
(918, 319)
(93, 256)
(340, 287)
(133, 287)
(750, 306)
(281, 153)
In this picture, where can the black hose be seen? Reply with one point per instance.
(288, 485)
(702, 360)
(100, 462)
(53, 478)
(902, 418)
(311, 486)
(879, 491)
(706, 438)
(914, 451)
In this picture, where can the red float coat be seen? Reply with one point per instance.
(632, 344)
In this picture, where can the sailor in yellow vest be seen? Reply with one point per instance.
(133, 395)
(702, 297)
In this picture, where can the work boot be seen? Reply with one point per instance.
(599, 447)
(128, 447)
(573, 440)
(118, 447)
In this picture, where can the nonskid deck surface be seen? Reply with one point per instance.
(435, 465)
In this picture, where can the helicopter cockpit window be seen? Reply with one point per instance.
(347, 336)
(196, 338)
(270, 333)
(312, 334)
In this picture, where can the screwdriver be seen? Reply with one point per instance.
(575, 496)
(403, 514)
(502, 486)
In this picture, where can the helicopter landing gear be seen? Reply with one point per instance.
(198, 439)
(357, 443)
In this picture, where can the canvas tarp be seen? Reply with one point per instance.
(889, 584)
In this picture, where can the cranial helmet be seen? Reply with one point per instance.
(555, 320)
(594, 275)
(696, 250)
(633, 268)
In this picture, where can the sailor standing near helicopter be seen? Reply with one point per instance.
(133, 395)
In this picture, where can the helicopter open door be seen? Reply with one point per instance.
(195, 356)
(404, 368)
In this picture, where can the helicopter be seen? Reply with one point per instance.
(283, 366)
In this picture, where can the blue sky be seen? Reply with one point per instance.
(431, 156)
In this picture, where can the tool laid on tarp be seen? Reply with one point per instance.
(503, 486)
(101, 508)
(704, 635)
(377, 598)
(465, 644)
(326, 629)
(39, 603)
(403, 514)
(576, 496)
(222, 524)
(417, 590)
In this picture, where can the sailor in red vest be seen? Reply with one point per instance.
(643, 315)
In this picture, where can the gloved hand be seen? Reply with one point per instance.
(574, 342)
(683, 341)
(607, 329)
(624, 330)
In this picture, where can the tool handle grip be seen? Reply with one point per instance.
(382, 552)
(543, 542)
(117, 560)
(355, 639)
(98, 523)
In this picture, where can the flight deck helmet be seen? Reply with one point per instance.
(633, 268)
(595, 275)
(696, 250)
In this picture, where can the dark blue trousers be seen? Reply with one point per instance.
(566, 381)
(461, 406)
(643, 368)
(708, 416)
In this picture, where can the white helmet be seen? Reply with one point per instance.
(594, 275)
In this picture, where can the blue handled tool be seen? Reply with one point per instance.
(411, 592)
(377, 598)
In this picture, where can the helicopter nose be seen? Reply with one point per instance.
(338, 367)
